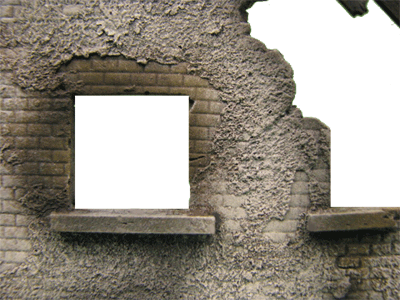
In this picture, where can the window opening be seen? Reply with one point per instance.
(131, 152)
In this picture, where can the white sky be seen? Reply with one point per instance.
(347, 75)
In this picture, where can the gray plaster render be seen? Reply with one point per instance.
(258, 147)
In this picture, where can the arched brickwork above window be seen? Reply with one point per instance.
(119, 76)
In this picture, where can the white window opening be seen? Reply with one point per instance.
(131, 152)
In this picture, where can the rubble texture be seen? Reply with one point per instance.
(268, 167)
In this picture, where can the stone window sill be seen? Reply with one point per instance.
(138, 221)
(353, 220)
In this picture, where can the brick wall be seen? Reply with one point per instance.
(301, 193)
(36, 136)
(9, 10)
(119, 76)
(370, 260)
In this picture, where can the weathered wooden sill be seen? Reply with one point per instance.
(137, 221)
(352, 220)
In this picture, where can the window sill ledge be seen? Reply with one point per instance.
(352, 220)
(138, 221)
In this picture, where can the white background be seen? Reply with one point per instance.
(132, 152)
(347, 75)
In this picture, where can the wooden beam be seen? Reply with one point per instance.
(391, 8)
(355, 7)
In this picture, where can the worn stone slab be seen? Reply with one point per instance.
(354, 220)
(133, 221)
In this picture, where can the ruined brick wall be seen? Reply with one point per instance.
(120, 76)
(265, 166)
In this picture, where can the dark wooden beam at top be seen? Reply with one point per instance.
(355, 7)
(391, 8)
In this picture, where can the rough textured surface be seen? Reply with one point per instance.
(133, 221)
(268, 166)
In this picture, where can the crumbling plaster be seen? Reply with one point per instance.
(257, 150)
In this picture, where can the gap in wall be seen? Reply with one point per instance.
(346, 74)
(131, 152)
